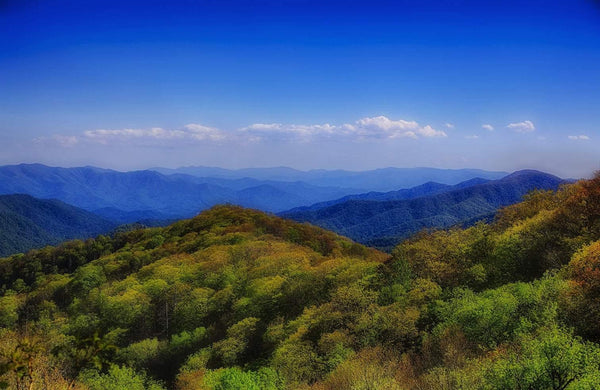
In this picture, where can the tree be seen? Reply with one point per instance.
(552, 359)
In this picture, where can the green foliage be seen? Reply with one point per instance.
(142, 353)
(298, 361)
(235, 298)
(236, 379)
(86, 278)
(118, 378)
(494, 317)
(231, 349)
(200, 294)
(553, 359)
(583, 302)
(9, 305)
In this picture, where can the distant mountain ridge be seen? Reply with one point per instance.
(381, 180)
(383, 223)
(128, 196)
(121, 198)
(154, 194)
(429, 188)
(28, 223)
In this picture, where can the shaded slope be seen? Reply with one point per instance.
(389, 221)
(429, 188)
(27, 223)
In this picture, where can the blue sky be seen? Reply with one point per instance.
(308, 84)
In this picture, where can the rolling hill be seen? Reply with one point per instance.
(384, 223)
(27, 223)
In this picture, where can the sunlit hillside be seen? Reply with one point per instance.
(237, 299)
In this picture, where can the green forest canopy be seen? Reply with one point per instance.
(237, 299)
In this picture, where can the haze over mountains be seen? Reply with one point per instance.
(383, 223)
(384, 179)
(350, 203)
(159, 196)
(429, 188)
(182, 195)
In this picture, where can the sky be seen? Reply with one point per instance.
(499, 85)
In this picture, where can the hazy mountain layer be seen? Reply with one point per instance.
(383, 223)
(126, 196)
(429, 188)
(385, 179)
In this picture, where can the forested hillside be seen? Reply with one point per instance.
(236, 299)
(26, 223)
(384, 223)
(427, 189)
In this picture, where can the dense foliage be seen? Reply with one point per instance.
(236, 299)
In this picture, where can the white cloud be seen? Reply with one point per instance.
(472, 137)
(429, 131)
(201, 132)
(487, 127)
(66, 141)
(581, 137)
(449, 125)
(289, 131)
(522, 127)
(379, 127)
(264, 127)
(190, 132)
(385, 123)
(383, 127)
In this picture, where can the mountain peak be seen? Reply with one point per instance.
(530, 173)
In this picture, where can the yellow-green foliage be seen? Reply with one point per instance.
(238, 299)
(215, 283)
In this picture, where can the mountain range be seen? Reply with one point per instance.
(429, 188)
(383, 223)
(384, 179)
(65, 203)
(236, 298)
(149, 194)
(128, 196)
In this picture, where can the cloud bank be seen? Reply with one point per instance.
(368, 128)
